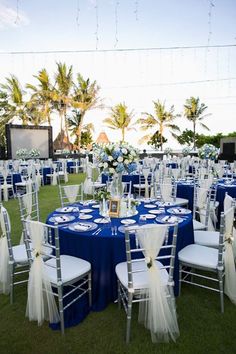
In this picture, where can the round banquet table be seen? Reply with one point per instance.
(222, 187)
(104, 251)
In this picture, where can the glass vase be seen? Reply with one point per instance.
(117, 186)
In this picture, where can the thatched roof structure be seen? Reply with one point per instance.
(57, 145)
(102, 138)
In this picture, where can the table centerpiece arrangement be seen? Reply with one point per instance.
(115, 160)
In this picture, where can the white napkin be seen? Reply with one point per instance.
(82, 227)
(170, 219)
(61, 218)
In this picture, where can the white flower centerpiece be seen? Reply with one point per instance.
(186, 151)
(22, 154)
(168, 151)
(34, 153)
(115, 159)
(208, 152)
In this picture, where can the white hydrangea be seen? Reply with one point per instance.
(110, 158)
(124, 151)
(126, 162)
(111, 170)
(105, 164)
(120, 159)
(115, 163)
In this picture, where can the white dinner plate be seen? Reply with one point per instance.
(83, 226)
(128, 221)
(96, 206)
(85, 216)
(156, 211)
(61, 218)
(86, 210)
(149, 216)
(68, 209)
(149, 206)
(101, 221)
(179, 211)
(131, 229)
(169, 219)
(163, 204)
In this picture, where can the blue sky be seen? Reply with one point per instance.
(137, 78)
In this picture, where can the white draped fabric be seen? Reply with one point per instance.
(27, 202)
(166, 191)
(88, 184)
(41, 304)
(146, 172)
(228, 202)
(5, 186)
(230, 272)
(201, 204)
(4, 257)
(71, 193)
(157, 312)
(54, 175)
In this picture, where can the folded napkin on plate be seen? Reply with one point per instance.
(82, 227)
(69, 209)
(178, 210)
(60, 218)
(170, 219)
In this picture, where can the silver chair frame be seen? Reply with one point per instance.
(16, 269)
(184, 271)
(57, 288)
(63, 197)
(128, 296)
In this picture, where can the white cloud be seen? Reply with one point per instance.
(10, 18)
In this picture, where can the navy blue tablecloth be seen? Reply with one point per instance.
(185, 190)
(16, 179)
(104, 252)
(222, 188)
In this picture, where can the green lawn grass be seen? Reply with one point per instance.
(203, 329)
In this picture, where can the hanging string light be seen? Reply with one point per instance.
(97, 24)
(78, 14)
(211, 6)
(136, 8)
(116, 23)
(17, 20)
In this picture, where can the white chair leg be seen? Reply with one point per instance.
(90, 289)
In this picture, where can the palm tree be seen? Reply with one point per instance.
(163, 119)
(193, 111)
(85, 98)
(62, 95)
(120, 118)
(75, 126)
(17, 106)
(42, 95)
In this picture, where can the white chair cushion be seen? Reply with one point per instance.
(71, 268)
(140, 280)
(98, 185)
(197, 225)
(8, 186)
(20, 184)
(181, 201)
(198, 255)
(207, 238)
(19, 254)
(140, 186)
